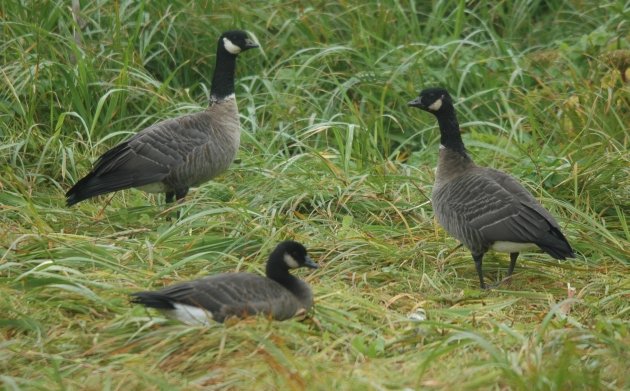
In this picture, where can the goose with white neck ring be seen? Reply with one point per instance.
(482, 207)
(278, 295)
(173, 155)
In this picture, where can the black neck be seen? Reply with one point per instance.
(450, 136)
(277, 270)
(280, 275)
(223, 78)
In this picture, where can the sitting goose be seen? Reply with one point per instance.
(279, 295)
(175, 154)
(482, 207)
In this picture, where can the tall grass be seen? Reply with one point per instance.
(331, 156)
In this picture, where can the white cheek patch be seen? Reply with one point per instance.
(230, 47)
(290, 261)
(435, 106)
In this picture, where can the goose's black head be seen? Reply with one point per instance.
(236, 41)
(433, 100)
(291, 255)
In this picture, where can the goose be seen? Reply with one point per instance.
(173, 155)
(279, 295)
(482, 207)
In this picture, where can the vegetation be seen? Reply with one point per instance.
(332, 157)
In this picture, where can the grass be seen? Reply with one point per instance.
(331, 156)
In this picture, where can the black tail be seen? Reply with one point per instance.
(152, 300)
(92, 185)
(102, 179)
(117, 169)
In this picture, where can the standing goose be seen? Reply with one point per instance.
(175, 154)
(482, 207)
(279, 295)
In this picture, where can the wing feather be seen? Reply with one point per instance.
(148, 157)
(482, 207)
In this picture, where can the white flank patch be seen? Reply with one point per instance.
(442, 146)
(419, 315)
(435, 106)
(190, 315)
(290, 261)
(157, 187)
(512, 247)
(230, 47)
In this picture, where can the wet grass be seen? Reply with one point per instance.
(332, 157)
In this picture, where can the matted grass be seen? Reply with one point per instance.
(332, 157)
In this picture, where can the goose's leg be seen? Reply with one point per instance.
(180, 193)
(170, 197)
(478, 258)
(513, 257)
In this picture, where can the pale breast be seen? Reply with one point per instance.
(221, 124)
